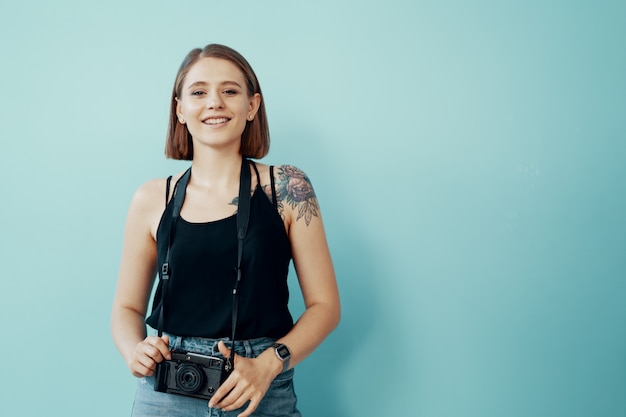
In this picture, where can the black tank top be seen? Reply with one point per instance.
(204, 260)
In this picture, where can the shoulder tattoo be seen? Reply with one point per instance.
(294, 188)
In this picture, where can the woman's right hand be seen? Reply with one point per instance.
(147, 354)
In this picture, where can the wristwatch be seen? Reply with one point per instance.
(282, 352)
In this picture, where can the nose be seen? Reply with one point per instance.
(214, 100)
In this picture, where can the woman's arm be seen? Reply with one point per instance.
(299, 208)
(312, 262)
(135, 280)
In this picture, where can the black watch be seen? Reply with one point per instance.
(282, 352)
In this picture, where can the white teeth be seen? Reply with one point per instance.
(216, 121)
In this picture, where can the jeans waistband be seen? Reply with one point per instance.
(250, 348)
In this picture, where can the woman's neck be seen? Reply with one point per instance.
(214, 169)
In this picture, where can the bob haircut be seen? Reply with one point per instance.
(255, 139)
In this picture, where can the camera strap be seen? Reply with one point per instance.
(243, 216)
(166, 270)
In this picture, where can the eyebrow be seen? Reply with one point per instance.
(202, 83)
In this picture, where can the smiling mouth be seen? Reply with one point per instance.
(215, 120)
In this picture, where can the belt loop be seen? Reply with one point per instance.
(248, 347)
(174, 342)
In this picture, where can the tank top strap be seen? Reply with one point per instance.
(167, 189)
(273, 186)
(256, 170)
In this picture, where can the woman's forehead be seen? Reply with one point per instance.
(214, 71)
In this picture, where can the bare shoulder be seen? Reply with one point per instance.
(150, 194)
(149, 201)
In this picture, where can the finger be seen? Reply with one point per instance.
(161, 344)
(236, 398)
(223, 390)
(146, 361)
(139, 370)
(151, 352)
(251, 408)
(166, 341)
(223, 349)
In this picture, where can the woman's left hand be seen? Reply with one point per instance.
(249, 381)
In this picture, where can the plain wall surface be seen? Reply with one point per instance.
(469, 158)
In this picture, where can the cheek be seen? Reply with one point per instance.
(191, 104)
(189, 108)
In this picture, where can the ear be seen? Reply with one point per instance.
(178, 109)
(254, 104)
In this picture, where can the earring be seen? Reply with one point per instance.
(251, 117)
(181, 120)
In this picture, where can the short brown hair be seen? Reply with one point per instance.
(255, 139)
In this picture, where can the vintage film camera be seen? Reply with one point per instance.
(191, 374)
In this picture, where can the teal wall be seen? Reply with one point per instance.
(469, 157)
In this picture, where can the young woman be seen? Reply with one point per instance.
(218, 121)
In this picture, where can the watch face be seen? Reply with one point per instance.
(282, 351)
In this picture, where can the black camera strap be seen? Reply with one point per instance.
(243, 216)
(166, 270)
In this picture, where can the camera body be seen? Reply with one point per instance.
(190, 374)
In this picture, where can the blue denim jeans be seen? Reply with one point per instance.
(279, 400)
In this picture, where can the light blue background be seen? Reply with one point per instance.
(469, 160)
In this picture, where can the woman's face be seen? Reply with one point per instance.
(215, 104)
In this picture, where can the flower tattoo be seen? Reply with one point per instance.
(294, 188)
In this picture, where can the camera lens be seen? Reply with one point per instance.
(189, 378)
